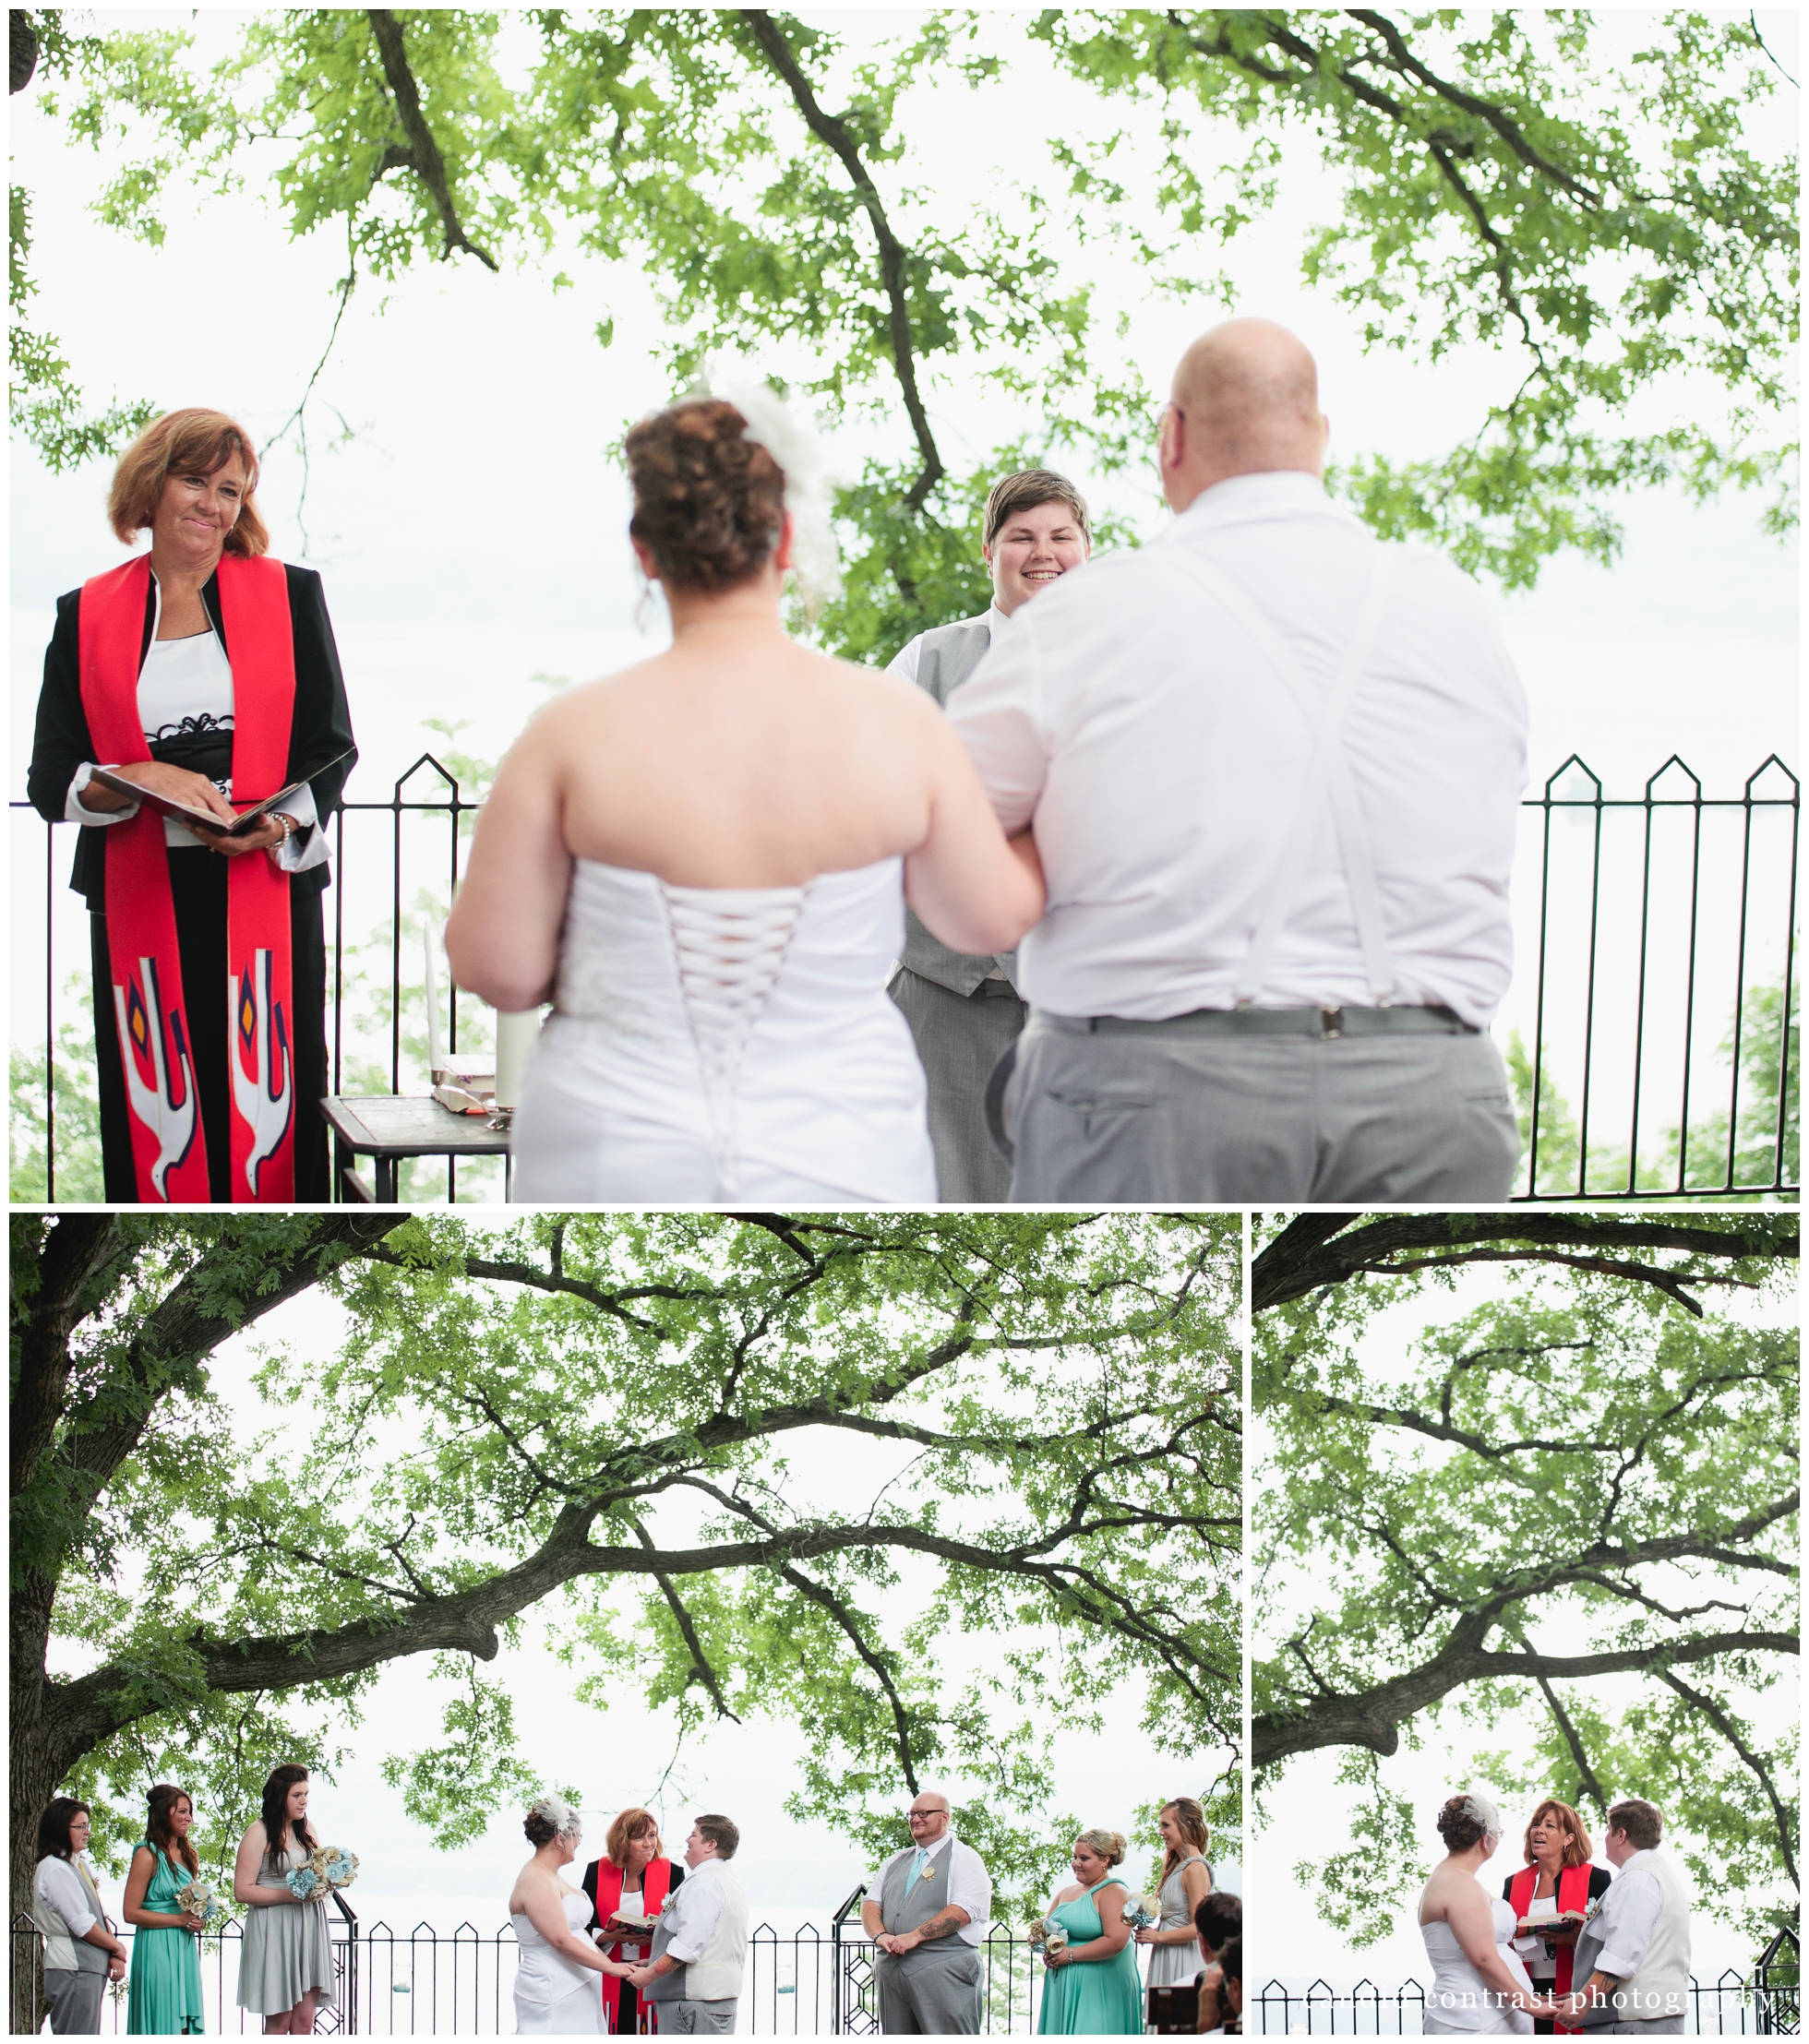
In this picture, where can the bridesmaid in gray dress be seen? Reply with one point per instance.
(1174, 1955)
(286, 1960)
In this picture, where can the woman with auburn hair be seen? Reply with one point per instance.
(165, 1989)
(286, 1960)
(633, 1880)
(1185, 1883)
(203, 673)
(1557, 1879)
(704, 861)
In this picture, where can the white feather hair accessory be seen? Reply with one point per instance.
(558, 1813)
(1480, 1809)
(790, 436)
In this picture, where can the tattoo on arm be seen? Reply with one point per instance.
(943, 1924)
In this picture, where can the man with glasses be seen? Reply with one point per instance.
(964, 1010)
(926, 1909)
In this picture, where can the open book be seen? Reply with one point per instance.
(204, 819)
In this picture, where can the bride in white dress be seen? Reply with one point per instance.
(1479, 1984)
(703, 861)
(557, 1989)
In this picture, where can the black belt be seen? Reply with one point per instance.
(1322, 1023)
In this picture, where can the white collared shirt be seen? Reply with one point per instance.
(905, 661)
(693, 1909)
(969, 1884)
(59, 1884)
(1628, 1914)
(1162, 758)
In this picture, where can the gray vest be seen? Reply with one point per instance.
(668, 1987)
(946, 657)
(901, 1913)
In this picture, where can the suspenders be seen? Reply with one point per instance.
(1328, 773)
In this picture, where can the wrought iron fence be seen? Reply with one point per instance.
(1765, 2004)
(809, 1983)
(1655, 1004)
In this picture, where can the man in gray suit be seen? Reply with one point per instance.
(964, 1011)
(926, 1909)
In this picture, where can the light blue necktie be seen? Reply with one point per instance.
(921, 1862)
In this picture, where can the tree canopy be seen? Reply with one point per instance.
(1597, 215)
(618, 1429)
(1591, 1475)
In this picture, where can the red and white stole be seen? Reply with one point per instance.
(167, 1148)
(655, 1885)
(1572, 1893)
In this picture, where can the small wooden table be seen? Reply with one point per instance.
(389, 1126)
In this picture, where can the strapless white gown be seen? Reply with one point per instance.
(726, 1043)
(553, 1995)
(1458, 2002)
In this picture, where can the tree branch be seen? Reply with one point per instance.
(423, 156)
(701, 1666)
(833, 133)
(1723, 1724)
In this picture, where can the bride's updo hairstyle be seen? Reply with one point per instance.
(1467, 1819)
(1111, 1846)
(552, 1817)
(709, 503)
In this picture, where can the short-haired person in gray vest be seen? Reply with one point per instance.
(926, 1909)
(1633, 1957)
(693, 1977)
(964, 1010)
(1274, 769)
(81, 1953)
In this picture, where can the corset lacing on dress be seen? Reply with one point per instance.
(729, 955)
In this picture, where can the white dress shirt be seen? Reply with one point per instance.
(905, 661)
(969, 1884)
(693, 1911)
(1627, 1919)
(59, 1884)
(1163, 760)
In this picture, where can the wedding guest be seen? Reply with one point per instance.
(964, 1010)
(1274, 769)
(1217, 1920)
(633, 1879)
(201, 670)
(286, 1957)
(1185, 1880)
(165, 1997)
(704, 860)
(1093, 1988)
(555, 1978)
(1556, 1879)
(926, 1909)
(81, 1954)
(1635, 1955)
(700, 1942)
(1230, 1964)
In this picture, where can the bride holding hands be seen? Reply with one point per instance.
(558, 1983)
(704, 860)
(1479, 1984)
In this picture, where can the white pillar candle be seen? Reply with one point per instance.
(516, 1035)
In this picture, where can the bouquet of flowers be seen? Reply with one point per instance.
(1138, 1913)
(199, 1900)
(1048, 1935)
(325, 1869)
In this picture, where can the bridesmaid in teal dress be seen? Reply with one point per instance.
(166, 1967)
(1093, 1989)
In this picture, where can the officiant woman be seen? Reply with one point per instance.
(1558, 1877)
(633, 1879)
(203, 671)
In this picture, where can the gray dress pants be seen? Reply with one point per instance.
(74, 1997)
(960, 1037)
(1135, 1118)
(696, 2018)
(929, 1992)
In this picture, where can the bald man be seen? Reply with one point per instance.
(926, 1909)
(1275, 769)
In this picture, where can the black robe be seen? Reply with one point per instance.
(320, 729)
